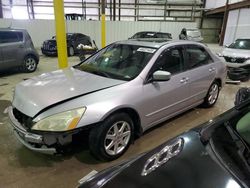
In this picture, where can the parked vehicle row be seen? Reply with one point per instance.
(17, 49)
(128, 87)
(18, 40)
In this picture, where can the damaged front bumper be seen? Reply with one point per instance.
(45, 142)
(239, 73)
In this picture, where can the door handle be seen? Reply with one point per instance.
(21, 46)
(211, 69)
(184, 80)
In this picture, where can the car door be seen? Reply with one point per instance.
(12, 47)
(201, 71)
(165, 99)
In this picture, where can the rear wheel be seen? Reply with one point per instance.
(111, 139)
(29, 63)
(212, 95)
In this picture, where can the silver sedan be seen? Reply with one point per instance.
(115, 95)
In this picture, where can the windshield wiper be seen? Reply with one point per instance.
(101, 73)
(95, 71)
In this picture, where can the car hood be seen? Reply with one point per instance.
(193, 167)
(230, 52)
(37, 93)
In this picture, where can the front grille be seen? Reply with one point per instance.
(23, 119)
(234, 59)
(49, 45)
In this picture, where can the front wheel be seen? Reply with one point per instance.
(111, 139)
(29, 63)
(212, 95)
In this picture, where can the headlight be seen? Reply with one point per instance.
(60, 122)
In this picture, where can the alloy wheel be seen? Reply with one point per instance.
(30, 64)
(117, 138)
(213, 94)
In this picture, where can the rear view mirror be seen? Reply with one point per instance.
(161, 76)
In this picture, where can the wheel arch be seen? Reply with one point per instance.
(134, 116)
(219, 81)
(32, 55)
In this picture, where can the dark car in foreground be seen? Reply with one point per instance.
(17, 50)
(151, 34)
(73, 40)
(237, 57)
(216, 154)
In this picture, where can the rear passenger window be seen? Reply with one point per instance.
(20, 36)
(10, 36)
(197, 56)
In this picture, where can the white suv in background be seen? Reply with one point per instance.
(237, 57)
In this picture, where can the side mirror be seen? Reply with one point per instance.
(219, 54)
(161, 76)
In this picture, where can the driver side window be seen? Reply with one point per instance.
(171, 60)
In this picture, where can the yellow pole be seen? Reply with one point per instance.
(60, 34)
(103, 26)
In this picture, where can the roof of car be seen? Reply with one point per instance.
(152, 32)
(156, 42)
(11, 29)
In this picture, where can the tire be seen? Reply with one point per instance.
(71, 51)
(212, 95)
(111, 147)
(29, 64)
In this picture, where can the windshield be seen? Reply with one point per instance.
(118, 61)
(68, 36)
(243, 44)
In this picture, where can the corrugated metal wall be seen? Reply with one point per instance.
(41, 30)
(238, 25)
(219, 3)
